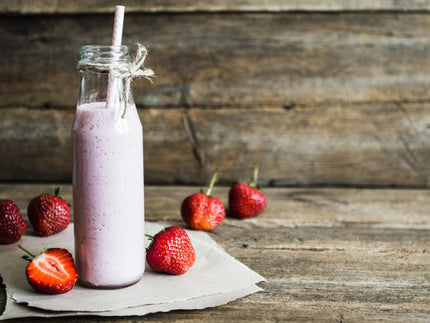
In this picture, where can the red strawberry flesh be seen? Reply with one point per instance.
(52, 272)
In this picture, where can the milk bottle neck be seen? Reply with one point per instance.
(95, 65)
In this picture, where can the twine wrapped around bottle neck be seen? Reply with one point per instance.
(135, 68)
(128, 70)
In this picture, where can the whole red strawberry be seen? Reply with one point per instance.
(51, 272)
(202, 211)
(171, 251)
(246, 200)
(12, 225)
(48, 214)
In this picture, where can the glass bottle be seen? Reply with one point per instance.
(108, 191)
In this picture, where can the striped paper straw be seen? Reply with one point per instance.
(118, 24)
(116, 41)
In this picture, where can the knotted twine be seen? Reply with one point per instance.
(130, 71)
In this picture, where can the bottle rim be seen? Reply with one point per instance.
(103, 57)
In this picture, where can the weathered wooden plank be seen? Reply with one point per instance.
(227, 59)
(316, 271)
(288, 208)
(311, 207)
(319, 287)
(368, 145)
(107, 6)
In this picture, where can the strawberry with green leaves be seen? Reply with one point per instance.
(12, 225)
(51, 272)
(201, 211)
(246, 200)
(48, 214)
(171, 251)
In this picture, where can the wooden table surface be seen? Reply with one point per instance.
(329, 255)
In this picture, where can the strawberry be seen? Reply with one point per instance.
(12, 225)
(202, 211)
(246, 200)
(51, 272)
(171, 251)
(48, 214)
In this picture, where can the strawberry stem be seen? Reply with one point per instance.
(254, 179)
(32, 256)
(151, 238)
(212, 183)
(57, 191)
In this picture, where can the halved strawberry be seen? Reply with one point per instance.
(51, 272)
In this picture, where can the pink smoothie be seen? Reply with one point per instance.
(108, 197)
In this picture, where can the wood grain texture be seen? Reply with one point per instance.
(227, 59)
(152, 6)
(314, 98)
(329, 255)
(367, 145)
(289, 208)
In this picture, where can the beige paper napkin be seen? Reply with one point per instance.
(216, 278)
